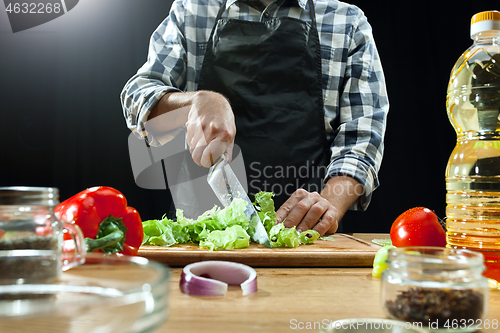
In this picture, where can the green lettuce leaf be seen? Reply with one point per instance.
(288, 237)
(234, 214)
(225, 229)
(152, 228)
(234, 237)
(308, 236)
(264, 204)
(275, 231)
(379, 262)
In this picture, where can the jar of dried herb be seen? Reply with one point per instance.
(436, 288)
(31, 236)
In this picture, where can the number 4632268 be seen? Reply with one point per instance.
(33, 8)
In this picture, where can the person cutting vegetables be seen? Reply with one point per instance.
(297, 85)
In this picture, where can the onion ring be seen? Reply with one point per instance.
(211, 278)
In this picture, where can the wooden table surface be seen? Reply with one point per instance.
(287, 300)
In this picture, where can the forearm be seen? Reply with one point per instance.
(171, 112)
(173, 109)
(341, 192)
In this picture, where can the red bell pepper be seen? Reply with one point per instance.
(106, 221)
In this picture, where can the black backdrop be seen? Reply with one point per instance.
(61, 121)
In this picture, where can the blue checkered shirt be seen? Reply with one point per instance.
(354, 91)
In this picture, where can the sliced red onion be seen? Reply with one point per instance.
(210, 278)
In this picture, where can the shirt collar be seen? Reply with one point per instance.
(301, 3)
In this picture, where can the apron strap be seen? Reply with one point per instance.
(312, 12)
(221, 10)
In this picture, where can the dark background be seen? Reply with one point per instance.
(61, 120)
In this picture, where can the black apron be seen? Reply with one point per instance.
(271, 74)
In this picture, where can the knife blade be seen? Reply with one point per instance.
(227, 187)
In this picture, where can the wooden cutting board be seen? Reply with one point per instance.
(343, 251)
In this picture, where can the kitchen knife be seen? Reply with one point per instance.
(227, 187)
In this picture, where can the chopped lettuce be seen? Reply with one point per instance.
(309, 236)
(327, 238)
(234, 214)
(379, 262)
(234, 237)
(225, 229)
(287, 237)
(264, 204)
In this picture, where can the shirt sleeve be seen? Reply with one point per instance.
(163, 72)
(357, 146)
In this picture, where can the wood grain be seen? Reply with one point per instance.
(344, 251)
(288, 299)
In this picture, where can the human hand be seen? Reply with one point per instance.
(210, 128)
(309, 210)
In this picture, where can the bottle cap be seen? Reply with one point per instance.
(483, 21)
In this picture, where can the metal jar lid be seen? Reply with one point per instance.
(33, 196)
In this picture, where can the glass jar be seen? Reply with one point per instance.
(435, 288)
(31, 237)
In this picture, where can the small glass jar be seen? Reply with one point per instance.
(435, 288)
(31, 237)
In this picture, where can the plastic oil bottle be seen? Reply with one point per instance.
(473, 170)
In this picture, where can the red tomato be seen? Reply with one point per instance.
(418, 226)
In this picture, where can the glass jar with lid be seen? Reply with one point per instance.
(31, 236)
(435, 288)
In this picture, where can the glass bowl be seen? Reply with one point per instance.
(106, 294)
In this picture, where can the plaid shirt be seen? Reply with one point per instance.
(354, 92)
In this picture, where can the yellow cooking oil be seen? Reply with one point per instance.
(473, 170)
